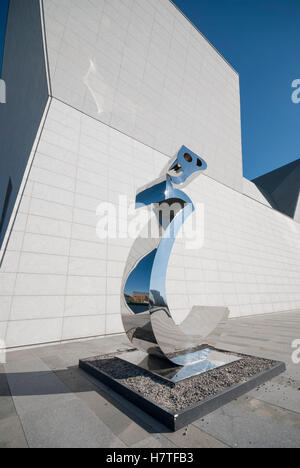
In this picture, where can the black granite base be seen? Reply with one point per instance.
(197, 396)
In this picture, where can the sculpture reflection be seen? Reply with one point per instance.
(138, 285)
(146, 316)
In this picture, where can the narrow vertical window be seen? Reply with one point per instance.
(6, 204)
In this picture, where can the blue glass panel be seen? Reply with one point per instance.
(138, 285)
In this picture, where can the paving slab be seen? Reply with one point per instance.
(252, 423)
(33, 386)
(46, 401)
(67, 425)
(193, 437)
(156, 442)
(122, 418)
(142, 419)
(71, 352)
(7, 407)
(21, 355)
(113, 415)
(283, 391)
(51, 415)
(11, 431)
(293, 371)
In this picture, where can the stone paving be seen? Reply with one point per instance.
(46, 401)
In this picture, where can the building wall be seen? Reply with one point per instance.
(59, 281)
(142, 68)
(252, 191)
(24, 72)
(297, 213)
(249, 262)
(282, 188)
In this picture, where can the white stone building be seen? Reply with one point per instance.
(101, 94)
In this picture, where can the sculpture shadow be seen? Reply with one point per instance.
(73, 380)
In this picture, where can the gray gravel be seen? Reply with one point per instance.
(186, 393)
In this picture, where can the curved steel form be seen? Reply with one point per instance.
(146, 315)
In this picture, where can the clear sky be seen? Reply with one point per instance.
(261, 39)
(139, 280)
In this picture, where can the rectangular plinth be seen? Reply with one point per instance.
(120, 376)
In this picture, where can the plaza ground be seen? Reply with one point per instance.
(46, 401)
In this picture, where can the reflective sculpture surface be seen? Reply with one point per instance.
(146, 315)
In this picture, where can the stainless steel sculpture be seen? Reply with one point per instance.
(150, 327)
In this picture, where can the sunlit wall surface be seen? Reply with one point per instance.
(142, 68)
(24, 73)
(129, 86)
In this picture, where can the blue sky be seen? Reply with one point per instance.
(139, 280)
(261, 39)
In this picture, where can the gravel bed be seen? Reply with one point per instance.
(181, 395)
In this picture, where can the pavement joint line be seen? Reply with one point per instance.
(285, 410)
(17, 414)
